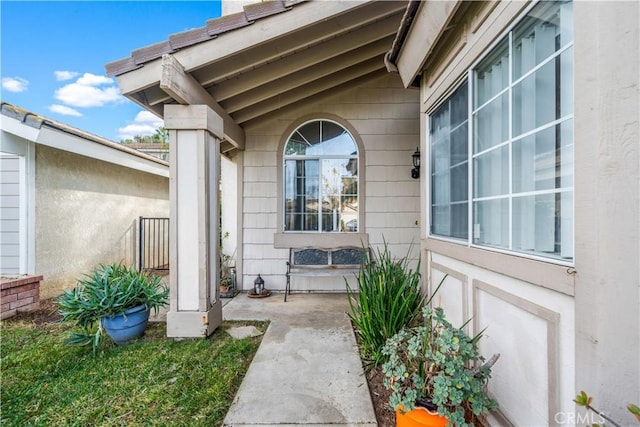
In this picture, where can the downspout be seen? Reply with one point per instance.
(391, 56)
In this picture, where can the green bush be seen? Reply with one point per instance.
(388, 299)
(108, 291)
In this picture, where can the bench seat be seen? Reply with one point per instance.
(320, 262)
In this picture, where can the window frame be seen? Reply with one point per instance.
(467, 77)
(294, 238)
(320, 159)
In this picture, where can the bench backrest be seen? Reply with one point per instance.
(347, 257)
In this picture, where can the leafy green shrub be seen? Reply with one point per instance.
(108, 291)
(388, 299)
(437, 366)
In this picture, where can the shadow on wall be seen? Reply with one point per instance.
(127, 244)
(65, 275)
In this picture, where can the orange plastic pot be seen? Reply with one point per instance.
(419, 417)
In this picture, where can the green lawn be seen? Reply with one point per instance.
(152, 381)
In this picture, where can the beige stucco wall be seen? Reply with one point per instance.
(86, 213)
(559, 329)
(385, 118)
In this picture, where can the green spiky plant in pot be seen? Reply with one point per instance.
(114, 299)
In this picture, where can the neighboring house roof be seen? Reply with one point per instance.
(269, 59)
(41, 130)
(148, 146)
(155, 149)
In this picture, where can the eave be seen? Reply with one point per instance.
(297, 52)
(423, 28)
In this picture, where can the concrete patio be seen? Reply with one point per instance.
(307, 370)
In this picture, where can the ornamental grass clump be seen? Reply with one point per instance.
(387, 299)
(438, 367)
(109, 290)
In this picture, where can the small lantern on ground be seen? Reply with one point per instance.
(258, 285)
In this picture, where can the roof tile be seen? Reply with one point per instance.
(290, 3)
(227, 23)
(260, 10)
(149, 53)
(187, 38)
(12, 111)
(121, 66)
(26, 117)
(213, 27)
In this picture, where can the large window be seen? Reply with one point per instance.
(321, 179)
(448, 136)
(510, 147)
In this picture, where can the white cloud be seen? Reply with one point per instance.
(89, 79)
(145, 123)
(62, 76)
(90, 90)
(150, 118)
(81, 95)
(129, 131)
(14, 84)
(64, 110)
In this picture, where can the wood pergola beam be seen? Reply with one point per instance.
(298, 80)
(325, 84)
(316, 98)
(275, 69)
(186, 90)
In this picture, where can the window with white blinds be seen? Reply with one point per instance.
(449, 139)
(520, 171)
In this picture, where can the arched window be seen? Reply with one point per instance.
(321, 179)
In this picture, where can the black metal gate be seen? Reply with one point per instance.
(154, 244)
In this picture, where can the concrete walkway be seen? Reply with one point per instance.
(307, 370)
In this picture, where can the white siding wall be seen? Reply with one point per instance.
(229, 195)
(386, 118)
(527, 306)
(607, 126)
(559, 329)
(531, 327)
(10, 214)
(259, 211)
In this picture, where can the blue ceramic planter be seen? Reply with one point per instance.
(125, 327)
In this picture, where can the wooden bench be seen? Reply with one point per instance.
(317, 262)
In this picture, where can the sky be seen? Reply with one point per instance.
(53, 56)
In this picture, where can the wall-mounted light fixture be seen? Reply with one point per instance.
(415, 172)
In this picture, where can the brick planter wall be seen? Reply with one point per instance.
(20, 294)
